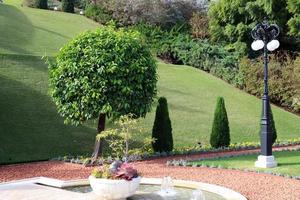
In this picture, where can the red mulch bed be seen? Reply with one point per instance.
(253, 185)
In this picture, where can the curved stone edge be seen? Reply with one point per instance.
(226, 193)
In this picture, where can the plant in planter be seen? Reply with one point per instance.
(120, 177)
(120, 141)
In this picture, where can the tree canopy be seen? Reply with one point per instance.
(231, 21)
(106, 71)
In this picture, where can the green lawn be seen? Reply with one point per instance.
(32, 31)
(31, 129)
(288, 163)
(192, 94)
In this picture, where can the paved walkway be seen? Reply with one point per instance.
(253, 185)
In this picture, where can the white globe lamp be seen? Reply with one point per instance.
(273, 45)
(257, 45)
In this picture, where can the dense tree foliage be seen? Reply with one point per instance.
(294, 22)
(220, 133)
(156, 12)
(232, 20)
(162, 128)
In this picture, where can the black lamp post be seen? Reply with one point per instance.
(264, 35)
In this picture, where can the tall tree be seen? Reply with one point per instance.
(106, 73)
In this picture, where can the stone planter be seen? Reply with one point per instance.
(114, 189)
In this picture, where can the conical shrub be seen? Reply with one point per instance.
(220, 133)
(272, 126)
(162, 128)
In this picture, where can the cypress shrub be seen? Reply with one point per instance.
(162, 128)
(272, 126)
(68, 6)
(220, 134)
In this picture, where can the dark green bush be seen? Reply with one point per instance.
(68, 6)
(272, 126)
(42, 4)
(215, 59)
(178, 47)
(81, 4)
(220, 133)
(162, 128)
(97, 13)
(284, 83)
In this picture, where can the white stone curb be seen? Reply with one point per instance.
(226, 193)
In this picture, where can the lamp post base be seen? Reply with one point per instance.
(265, 162)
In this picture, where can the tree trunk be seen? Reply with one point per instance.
(98, 143)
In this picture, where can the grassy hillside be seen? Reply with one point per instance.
(31, 129)
(192, 95)
(32, 31)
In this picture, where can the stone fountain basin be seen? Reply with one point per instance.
(52, 189)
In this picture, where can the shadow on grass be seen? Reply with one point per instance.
(12, 20)
(183, 108)
(52, 32)
(288, 164)
(36, 62)
(30, 128)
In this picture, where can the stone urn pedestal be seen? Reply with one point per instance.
(114, 189)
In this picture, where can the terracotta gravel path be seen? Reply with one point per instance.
(253, 185)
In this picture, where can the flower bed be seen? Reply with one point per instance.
(181, 151)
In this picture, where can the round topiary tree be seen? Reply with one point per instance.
(68, 6)
(220, 133)
(106, 73)
(162, 128)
